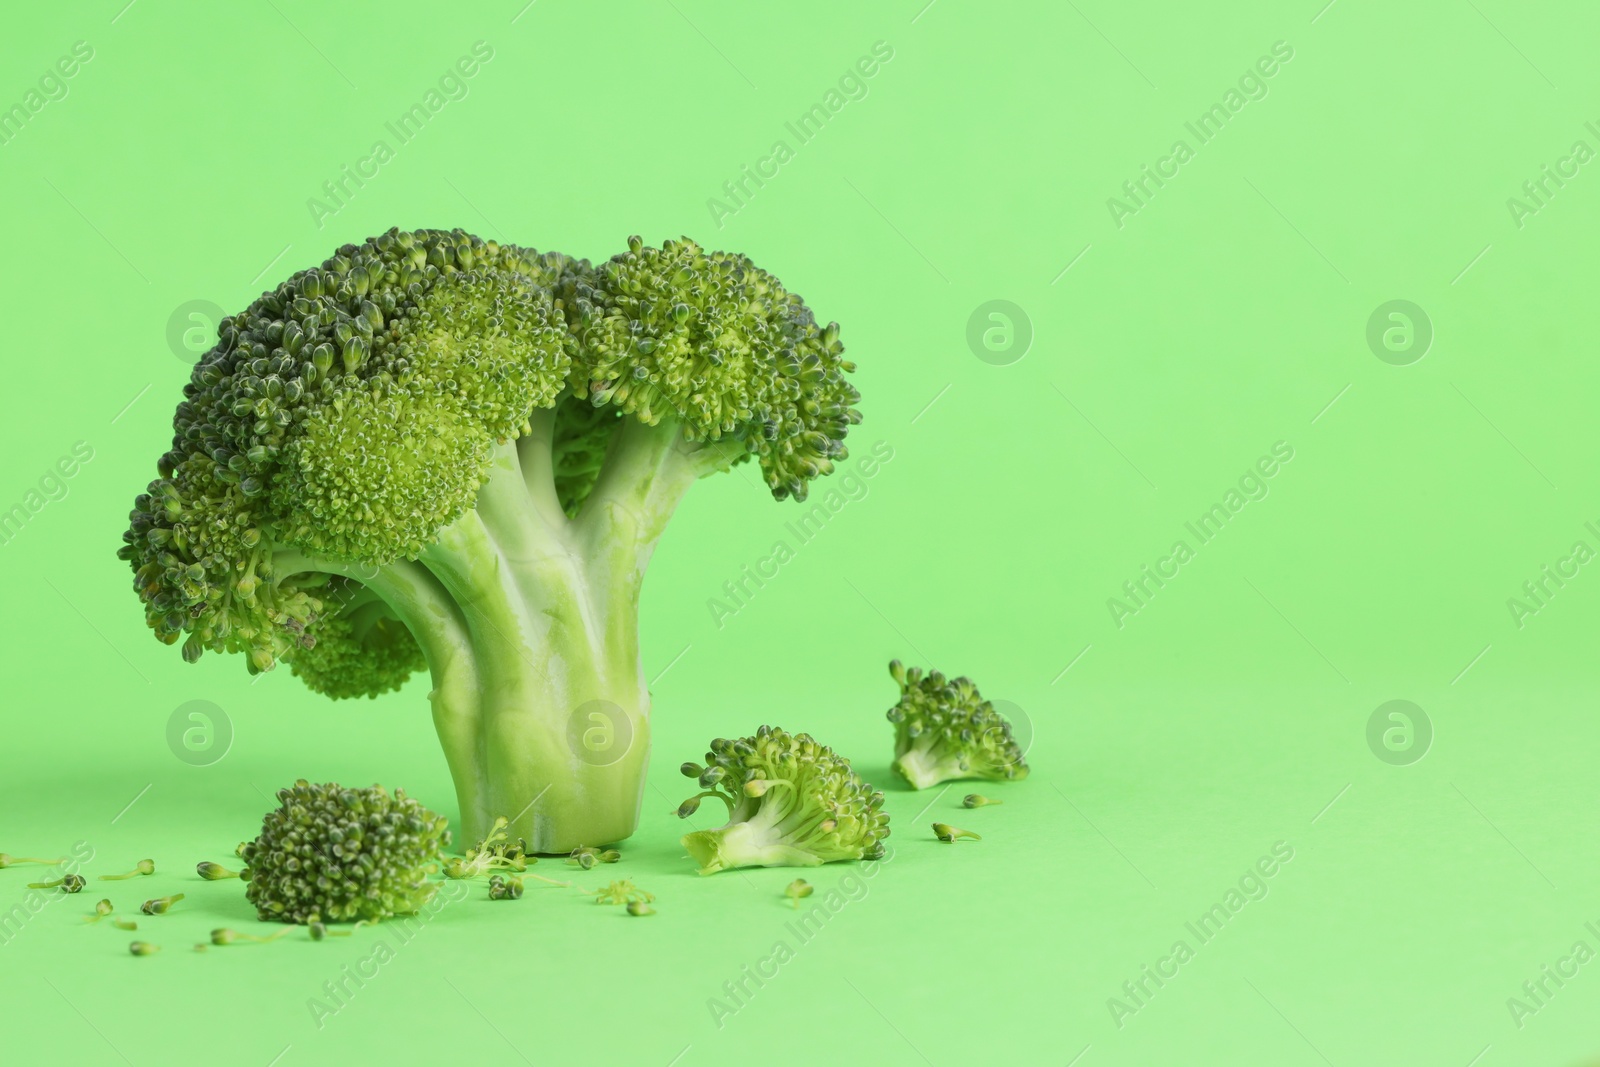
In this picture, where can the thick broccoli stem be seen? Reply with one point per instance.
(551, 606)
(929, 764)
(745, 844)
(529, 624)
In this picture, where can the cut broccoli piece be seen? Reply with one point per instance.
(332, 854)
(944, 730)
(791, 803)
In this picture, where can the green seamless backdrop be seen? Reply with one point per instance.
(1228, 374)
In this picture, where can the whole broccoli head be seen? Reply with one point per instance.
(435, 450)
(331, 854)
(945, 730)
(791, 803)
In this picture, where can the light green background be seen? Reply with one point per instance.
(1230, 713)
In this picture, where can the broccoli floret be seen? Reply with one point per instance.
(791, 803)
(435, 450)
(332, 854)
(944, 730)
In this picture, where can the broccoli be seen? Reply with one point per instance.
(332, 854)
(791, 803)
(444, 452)
(944, 730)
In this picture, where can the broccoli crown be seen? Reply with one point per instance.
(792, 802)
(332, 854)
(945, 730)
(351, 413)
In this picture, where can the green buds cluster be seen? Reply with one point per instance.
(588, 857)
(145, 867)
(945, 730)
(502, 888)
(350, 414)
(792, 802)
(717, 343)
(339, 855)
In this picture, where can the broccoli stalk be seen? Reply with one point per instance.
(444, 452)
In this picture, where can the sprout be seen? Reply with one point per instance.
(622, 892)
(225, 936)
(101, 910)
(12, 861)
(640, 907)
(798, 890)
(160, 905)
(214, 872)
(124, 924)
(68, 883)
(144, 867)
(319, 931)
(977, 800)
(949, 834)
(143, 948)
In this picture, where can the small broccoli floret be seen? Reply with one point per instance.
(338, 855)
(945, 730)
(791, 803)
